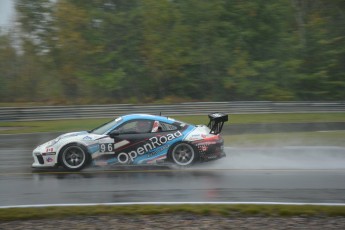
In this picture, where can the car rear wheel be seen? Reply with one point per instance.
(183, 154)
(74, 157)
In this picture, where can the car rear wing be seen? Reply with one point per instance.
(216, 122)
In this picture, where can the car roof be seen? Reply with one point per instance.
(148, 117)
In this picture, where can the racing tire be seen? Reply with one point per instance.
(183, 154)
(74, 157)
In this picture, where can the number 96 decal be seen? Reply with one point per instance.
(106, 147)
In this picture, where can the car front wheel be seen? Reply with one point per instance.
(183, 154)
(74, 157)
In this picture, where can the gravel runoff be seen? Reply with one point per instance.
(178, 221)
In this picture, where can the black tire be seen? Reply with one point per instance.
(74, 157)
(183, 154)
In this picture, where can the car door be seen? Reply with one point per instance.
(136, 142)
(140, 141)
(123, 144)
(131, 140)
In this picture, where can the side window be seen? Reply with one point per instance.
(143, 126)
(136, 126)
(128, 127)
(168, 127)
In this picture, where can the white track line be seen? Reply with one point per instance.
(168, 203)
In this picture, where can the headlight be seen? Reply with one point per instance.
(53, 142)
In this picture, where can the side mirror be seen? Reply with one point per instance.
(115, 133)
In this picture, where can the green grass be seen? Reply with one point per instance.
(207, 209)
(330, 138)
(86, 124)
(271, 118)
(50, 126)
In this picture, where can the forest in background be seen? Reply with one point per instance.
(165, 51)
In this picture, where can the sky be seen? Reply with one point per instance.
(6, 12)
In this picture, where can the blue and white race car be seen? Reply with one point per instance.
(135, 139)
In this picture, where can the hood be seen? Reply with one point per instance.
(72, 134)
(82, 135)
(76, 136)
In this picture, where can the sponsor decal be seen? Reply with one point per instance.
(110, 147)
(106, 147)
(87, 138)
(202, 147)
(49, 150)
(156, 159)
(207, 143)
(49, 154)
(49, 159)
(157, 151)
(195, 137)
(153, 143)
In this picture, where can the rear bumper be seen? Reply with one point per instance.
(212, 156)
(209, 151)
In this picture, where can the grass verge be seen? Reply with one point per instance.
(199, 209)
(329, 138)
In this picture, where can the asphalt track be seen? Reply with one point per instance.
(304, 174)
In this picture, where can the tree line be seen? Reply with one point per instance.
(162, 51)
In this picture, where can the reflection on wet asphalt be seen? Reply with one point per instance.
(286, 174)
(95, 186)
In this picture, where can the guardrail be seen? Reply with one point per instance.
(192, 108)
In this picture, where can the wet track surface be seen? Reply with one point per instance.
(279, 174)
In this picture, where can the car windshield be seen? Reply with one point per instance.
(106, 127)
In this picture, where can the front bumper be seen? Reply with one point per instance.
(43, 159)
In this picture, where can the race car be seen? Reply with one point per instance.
(135, 139)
